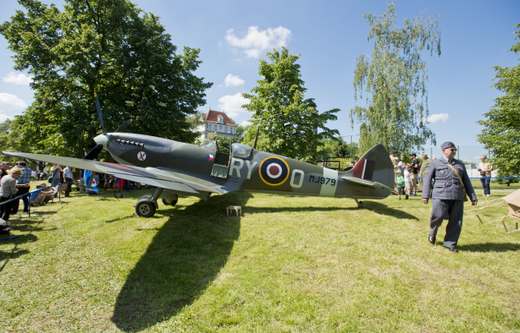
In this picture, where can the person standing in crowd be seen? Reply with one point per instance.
(450, 180)
(23, 184)
(485, 171)
(7, 190)
(4, 169)
(393, 157)
(422, 172)
(399, 183)
(416, 165)
(57, 177)
(69, 178)
(407, 181)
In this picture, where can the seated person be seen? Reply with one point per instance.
(43, 195)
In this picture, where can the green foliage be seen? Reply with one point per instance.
(289, 124)
(393, 80)
(336, 147)
(105, 46)
(240, 132)
(501, 132)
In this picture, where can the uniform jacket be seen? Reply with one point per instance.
(446, 184)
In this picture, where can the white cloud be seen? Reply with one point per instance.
(10, 102)
(233, 80)
(438, 117)
(257, 42)
(232, 104)
(245, 123)
(18, 79)
(4, 117)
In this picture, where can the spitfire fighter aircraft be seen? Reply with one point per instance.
(177, 168)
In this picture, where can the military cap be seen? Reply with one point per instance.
(447, 144)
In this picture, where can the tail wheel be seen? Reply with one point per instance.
(145, 207)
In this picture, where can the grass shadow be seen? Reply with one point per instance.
(386, 210)
(490, 247)
(367, 205)
(184, 257)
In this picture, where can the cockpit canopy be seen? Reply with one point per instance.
(212, 145)
(239, 150)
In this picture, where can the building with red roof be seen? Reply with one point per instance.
(217, 122)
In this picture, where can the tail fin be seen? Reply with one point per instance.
(375, 166)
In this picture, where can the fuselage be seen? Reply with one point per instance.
(245, 169)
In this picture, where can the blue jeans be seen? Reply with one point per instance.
(485, 185)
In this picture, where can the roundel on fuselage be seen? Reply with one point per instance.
(274, 171)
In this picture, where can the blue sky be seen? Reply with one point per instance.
(328, 35)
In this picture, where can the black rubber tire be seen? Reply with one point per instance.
(145, 208)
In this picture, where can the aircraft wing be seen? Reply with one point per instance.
(369, 183)
(151, 176)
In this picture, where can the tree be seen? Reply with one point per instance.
(336, 147)
(289, 124)
(501, 132)
(105, 46)
(394, 81)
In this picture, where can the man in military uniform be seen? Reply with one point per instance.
(447, 195)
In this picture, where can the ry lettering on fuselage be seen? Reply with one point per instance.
(324, 182)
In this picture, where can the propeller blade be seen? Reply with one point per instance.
(256, 138)
(93, 153)
(124, 125)
(100, 116)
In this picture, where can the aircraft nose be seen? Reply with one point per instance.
(101, 139)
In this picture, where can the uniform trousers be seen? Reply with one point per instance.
(451, 210)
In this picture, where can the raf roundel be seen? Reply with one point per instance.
(274, 171)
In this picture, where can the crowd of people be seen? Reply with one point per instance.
(407, 174)
(15, 182)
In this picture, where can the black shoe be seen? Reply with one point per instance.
(453, 249)
(431, 239)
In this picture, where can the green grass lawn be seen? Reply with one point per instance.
(289, 264)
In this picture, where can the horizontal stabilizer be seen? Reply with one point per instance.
(369, 183)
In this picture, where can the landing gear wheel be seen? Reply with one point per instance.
(173, 202)
(145, 207)
(360, 204)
